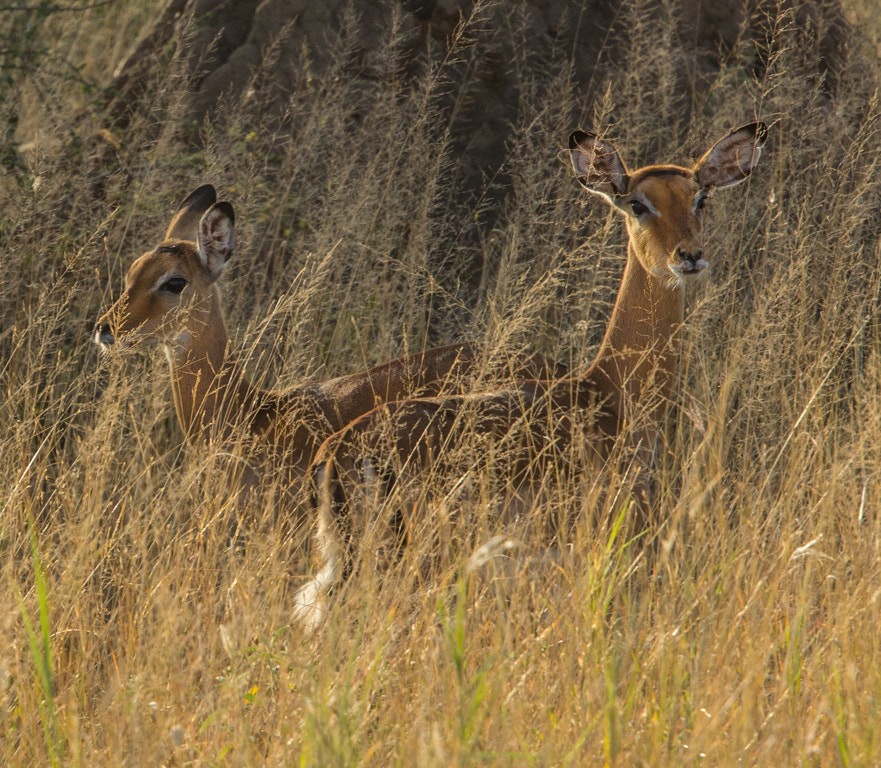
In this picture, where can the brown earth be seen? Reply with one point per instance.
(289, 46)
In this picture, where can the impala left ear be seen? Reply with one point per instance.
(217, 236)
(732, 158)
(185, 224)
(598, 165)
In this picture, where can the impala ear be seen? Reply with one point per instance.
(598, 165)
(731, 159)
(185, 224)
(217, 237)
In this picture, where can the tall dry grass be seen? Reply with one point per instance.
(135, 635)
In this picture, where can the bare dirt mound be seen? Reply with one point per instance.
(231, 50)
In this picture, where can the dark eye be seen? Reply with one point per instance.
(174, 285)
(638, 208)
(700, 203)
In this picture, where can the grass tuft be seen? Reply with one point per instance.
(147, 619)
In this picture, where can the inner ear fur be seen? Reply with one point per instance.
(217, 236)
(731, 159)
(598, 165)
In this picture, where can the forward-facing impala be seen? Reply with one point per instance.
(171, 297)
(534, 424)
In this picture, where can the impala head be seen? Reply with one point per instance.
(165, 285)
(663, 203)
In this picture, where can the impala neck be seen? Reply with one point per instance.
(205, 381)
(638, 355)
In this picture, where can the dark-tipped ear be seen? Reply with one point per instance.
(598, 165)
(731, 159)
(217, 237)
(185, 224)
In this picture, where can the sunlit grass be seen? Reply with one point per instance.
(138, 629)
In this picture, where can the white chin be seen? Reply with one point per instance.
(686, 270)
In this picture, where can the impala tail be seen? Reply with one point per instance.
(349, 500)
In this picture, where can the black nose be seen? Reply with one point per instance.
(691, 257)
(103, 334)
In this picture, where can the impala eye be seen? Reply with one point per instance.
(638, 208)
(701, 202)
(174, 285)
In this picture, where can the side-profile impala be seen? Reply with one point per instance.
(171, 297)
(536, 426)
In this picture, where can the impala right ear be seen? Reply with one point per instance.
(731, 159)
(185, 224)
(598, 165)
(217, 238)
